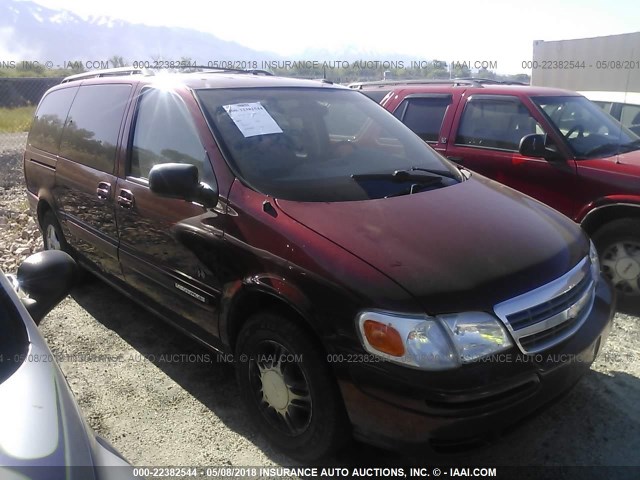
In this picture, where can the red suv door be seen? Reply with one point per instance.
(485, 138)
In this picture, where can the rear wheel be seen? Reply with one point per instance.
(288, 388)
(53, 239)
(618, 245)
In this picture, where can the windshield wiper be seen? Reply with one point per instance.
(442, 173)
(414, 188)
(615, 148)
(420, 180)
(401, 176)
(605, 147)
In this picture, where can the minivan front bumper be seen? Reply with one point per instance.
(397, 407)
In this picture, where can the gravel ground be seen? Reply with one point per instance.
(161, 399)
(11, 148)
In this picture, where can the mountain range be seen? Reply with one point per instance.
(29, 31)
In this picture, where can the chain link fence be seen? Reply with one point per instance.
(18, 100)
(20, 92)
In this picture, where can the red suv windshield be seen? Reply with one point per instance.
(321, 144)
(588, 130)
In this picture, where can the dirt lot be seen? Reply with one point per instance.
(161, 399)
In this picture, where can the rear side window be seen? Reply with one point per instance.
(90, 135)
(165, 133)
(424, 115)
(376, 95)
(49, 119)
(498, 123)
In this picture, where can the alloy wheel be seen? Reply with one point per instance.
(281, 388)
(621, 264)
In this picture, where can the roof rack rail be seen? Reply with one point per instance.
(425, 81)
(108, 72)
(490, 81)
(119, 71)
(205, 69)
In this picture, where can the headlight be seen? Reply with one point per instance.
(432, 343)
(595, 261)
(476, 334)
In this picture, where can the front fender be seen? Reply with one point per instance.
(592, 208)
(272, 289)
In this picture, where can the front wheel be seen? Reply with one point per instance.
(288, 388)
(618, 245)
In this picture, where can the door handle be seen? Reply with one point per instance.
(125, 199)
(103, 190)
(458, 160)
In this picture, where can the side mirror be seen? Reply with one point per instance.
(537, 145)
(47, 277)
(180, 180)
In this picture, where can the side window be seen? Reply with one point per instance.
(49, 119)
(606, 106)
(495, 123)
(424, 115)
(630, 117)
(90, 135)
(165, 133)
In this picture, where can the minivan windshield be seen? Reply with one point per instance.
(321, 145)
(589, 131)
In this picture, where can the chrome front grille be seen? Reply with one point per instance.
(549, 314)
(538, 313)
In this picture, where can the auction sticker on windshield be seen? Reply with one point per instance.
(252, 119)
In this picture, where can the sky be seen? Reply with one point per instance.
(454, 30)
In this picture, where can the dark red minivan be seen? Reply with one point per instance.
(364, 283)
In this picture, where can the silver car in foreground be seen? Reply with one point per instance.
(43, 434)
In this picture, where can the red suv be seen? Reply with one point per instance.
(551, 144)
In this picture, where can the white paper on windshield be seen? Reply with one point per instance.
(252, 119)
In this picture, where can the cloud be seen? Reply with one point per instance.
(12, 50)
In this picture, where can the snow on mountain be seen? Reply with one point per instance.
(61, 36)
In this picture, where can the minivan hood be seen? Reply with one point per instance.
(464, 247)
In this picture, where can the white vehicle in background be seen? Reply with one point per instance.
(623, 106)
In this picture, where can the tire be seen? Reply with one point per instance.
(52, 236)
(618, 245)
(295, 401)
